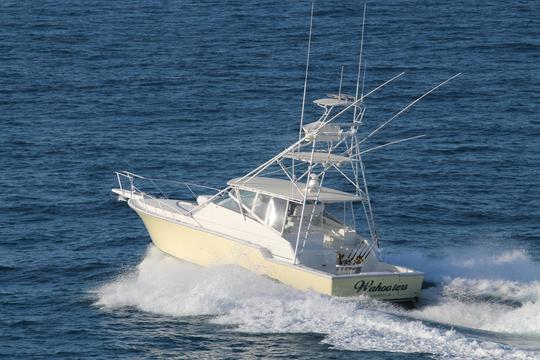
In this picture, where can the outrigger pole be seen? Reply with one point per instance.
(392, 143)
(368, 209)
(407, 108)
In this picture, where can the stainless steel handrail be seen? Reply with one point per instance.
(138, 194)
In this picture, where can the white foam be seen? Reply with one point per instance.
(480, 289)
(498, 306)
(164, 285)
(351, 327)
(475, 263)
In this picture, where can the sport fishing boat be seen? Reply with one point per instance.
(295, 218)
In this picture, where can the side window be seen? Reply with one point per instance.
(272, 211)
(260, 206)
(312, 212)
(275, 215)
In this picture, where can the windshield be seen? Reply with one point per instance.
(229, 203)
(263, 208)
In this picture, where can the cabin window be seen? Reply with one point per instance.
(339, 215)
(275, 215)
(229, 203)
(261, 205)
(271, 211)
(313, 212)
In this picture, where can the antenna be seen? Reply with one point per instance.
(307, 71)
(340, 82)
(360, 61)
(363, 78)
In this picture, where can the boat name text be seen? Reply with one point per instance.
(369, 286)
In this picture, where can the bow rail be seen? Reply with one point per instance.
(133, 187)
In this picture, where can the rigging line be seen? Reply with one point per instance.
(285, 170)
(276, 171)
(346, 177)
(407, 108)
(288, 175)
(392, 143)
(315, 164)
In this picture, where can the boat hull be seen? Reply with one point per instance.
(206, 248)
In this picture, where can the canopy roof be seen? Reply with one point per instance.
(335, 100)
(331, 102)
(318, 157)
(286, 189)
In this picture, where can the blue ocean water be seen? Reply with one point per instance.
(206, 91)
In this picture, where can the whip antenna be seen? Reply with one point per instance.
(364, 78)
(307, 71)
(340, 82)
(360, 62)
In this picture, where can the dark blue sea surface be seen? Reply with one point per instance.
(204, 92)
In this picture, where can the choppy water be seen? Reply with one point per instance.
(205, 92)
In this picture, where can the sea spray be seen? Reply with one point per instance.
(498, 306)
(164, 285)
(497, 291)
(472, 262)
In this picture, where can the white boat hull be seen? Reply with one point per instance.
(205, 247)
